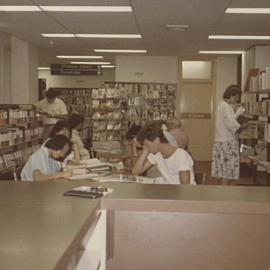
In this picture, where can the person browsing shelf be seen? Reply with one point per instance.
(51, 110)
(175, 164)
(45, 163)
(75, 121)
(226, 163)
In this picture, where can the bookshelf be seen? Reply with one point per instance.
(120, 104)
(256, 101)
(20, 136)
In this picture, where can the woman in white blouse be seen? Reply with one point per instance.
(225, 164)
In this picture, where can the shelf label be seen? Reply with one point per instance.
(71, 69)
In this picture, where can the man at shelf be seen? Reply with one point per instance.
(51, 109)
(45, 164)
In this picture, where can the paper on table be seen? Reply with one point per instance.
(83, 176)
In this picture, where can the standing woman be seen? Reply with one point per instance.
(226, 164)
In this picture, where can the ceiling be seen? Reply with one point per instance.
(148, 18)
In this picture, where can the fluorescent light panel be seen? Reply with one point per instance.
(239, 37)
(119, 51)
(80, 56)
(107, 66)
(68, 8)
(248, 10)
(19, 8)
(88, 8)
(109, 35)
(44, 68)
(90, 63)
(221, 52)
(66, 35)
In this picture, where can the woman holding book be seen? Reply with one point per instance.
(226, 163)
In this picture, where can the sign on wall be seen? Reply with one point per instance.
(71, 69)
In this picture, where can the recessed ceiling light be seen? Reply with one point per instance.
(19, 8)
(107, 66)
(239, 37)
(90, 63)
(88, 8)
(80, 56)
(58, 35)
(221, 52)
(109, 35)
(44, 68)
(248, 10)
(119, 51)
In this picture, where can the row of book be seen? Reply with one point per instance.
(144, 92)
(261, 81)
(109, 125)
(257, 103)
(74, 91)
(107, 136)
(11, 136)
(259, 130)
(17, 158)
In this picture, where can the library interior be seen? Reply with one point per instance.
(134, 134)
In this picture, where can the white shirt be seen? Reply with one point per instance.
(57, 107)
(226, 123)
(170, 167)
(40, 160)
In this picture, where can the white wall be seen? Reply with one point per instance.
(226, 74)
(19, 71)
(33, 74)
(146, 69)
(5, 66)
(24, 76)
(262, 56)
(77, 81)
(248, 62)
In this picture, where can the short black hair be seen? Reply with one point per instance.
(150, 133)
(57, 142)
(133, 132)
(232, 90)
(75, 119)
(51, 93)
(59, 125)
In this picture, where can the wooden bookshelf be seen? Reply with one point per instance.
(256, 100)
(20, 136)
(120, 104)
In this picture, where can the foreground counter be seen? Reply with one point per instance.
(146, 227)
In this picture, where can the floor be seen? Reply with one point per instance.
(246, 175)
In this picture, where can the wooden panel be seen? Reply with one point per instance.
(196, 109)
(190, 241)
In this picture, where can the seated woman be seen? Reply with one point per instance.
(62, 128)
(75, 121)
(44, 165)
(174, 126)
(175, 164)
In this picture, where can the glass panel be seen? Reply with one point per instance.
(196, 70)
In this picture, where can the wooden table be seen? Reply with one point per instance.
(148, 226)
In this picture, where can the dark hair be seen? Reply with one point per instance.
(133, 132)
(57, 142)
(60, 125)
(51, 93)
(150, 133)
(75, 119)
(231, 91)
